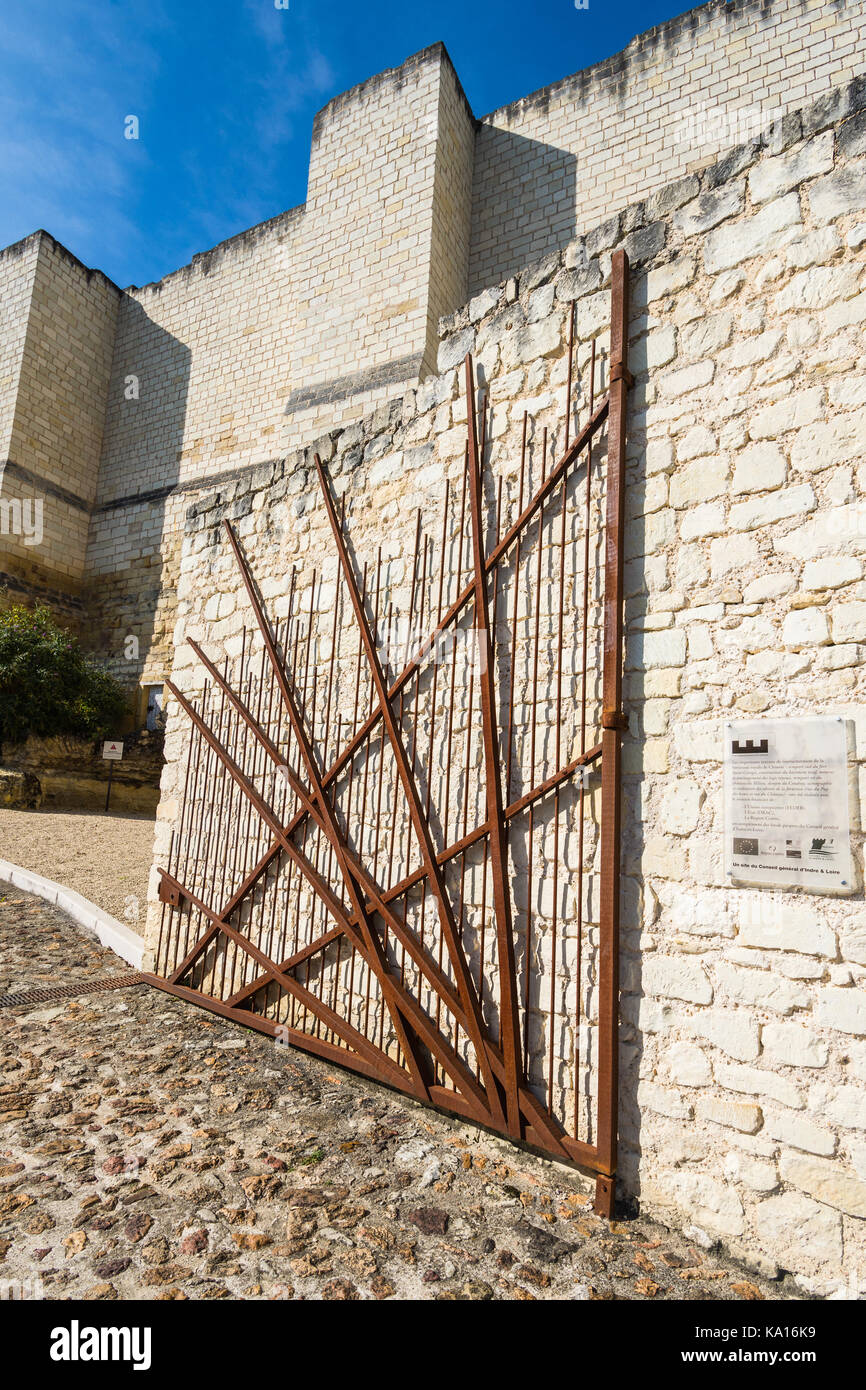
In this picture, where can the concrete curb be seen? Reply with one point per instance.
(116, 935)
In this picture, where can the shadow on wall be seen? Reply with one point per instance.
(524, 204)
(133, 552)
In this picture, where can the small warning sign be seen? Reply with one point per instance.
(113, 751)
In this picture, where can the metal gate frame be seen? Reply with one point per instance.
(495, 1093)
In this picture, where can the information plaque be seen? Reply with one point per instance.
(787, 818)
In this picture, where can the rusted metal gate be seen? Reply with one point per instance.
(394, 856)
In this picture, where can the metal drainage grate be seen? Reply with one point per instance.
(51, 996)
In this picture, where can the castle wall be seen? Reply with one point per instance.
(310, 319)
(361, 304)
(17, 271)
(743, 1040)
(451, 210)
(559, 161)
(55, 433)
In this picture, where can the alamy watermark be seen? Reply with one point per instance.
(721, 127)
(22, 516)
(20, 1290)
(463, 648)
(77, 1343)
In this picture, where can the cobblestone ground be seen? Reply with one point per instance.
(149, 1150)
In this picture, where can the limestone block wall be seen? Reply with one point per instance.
(199, 362)
(558, 161)
(384, 196)
(318, 316)
(64, 327)
(313, 317)
(17, 269)
(451, 210)
(233, 357)
(17, 272)
(743, 1038)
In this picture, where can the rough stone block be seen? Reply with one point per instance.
(849, 622)
(711, 208)
(793, 1128)
(756, 1082)
(831, 573)
(841, 192)
(755, 988)
(842, 1009)
(656, 649)
(453, 350)
(730, 245)
(731, 1113)
(676, 977)
(788, 927)
(764, 511)
(760, 467)
(712, 1204)
(687, 1065)
(802, 1234)
(698, 481)
(805, 627)
(791, 1045)
(733, 1031)
(818, 287)
(774, 176)
(825, 1181)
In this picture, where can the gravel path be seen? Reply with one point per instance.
(151, 1150)
(106, 858)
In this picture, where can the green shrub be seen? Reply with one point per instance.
(47, 684)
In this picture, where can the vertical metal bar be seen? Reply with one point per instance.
(533, 722)
(612, 722)
(459, 964)
(558, 750)
(508, 1010)
(582, 808)
(510, 749)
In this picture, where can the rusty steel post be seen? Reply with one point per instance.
(613, 722)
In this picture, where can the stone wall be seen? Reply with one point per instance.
(310, 318)
(66, 773)
(64, 319)
(555, 163)
(314, 318)
(743, 1011)
(17, 270)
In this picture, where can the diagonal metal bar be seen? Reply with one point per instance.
(403, 999)
(330, 1052)
(466, 987)
(445, 1054)
(313, 948)
(583, 439)
(337, 1025)
(508, 1008)
(375, 949)
(459, 847)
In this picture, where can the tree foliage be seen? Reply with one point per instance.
(47, 685)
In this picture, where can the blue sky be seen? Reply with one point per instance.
(225, 92)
